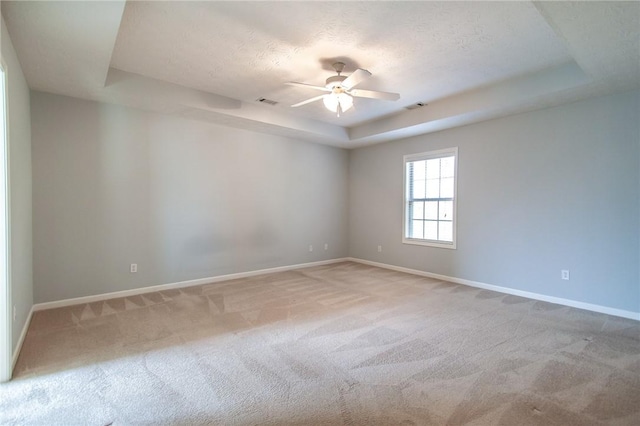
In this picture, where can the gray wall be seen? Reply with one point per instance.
(20, 187)
(183, 199)
(538, 192)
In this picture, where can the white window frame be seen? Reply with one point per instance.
(448, 152)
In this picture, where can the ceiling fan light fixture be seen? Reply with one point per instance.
(333, 100)
(330, 102)
(346, 101)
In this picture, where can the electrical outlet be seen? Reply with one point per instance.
(134, 268)
(310, 248)
(326, 246)
(379, 249)
(564, 274)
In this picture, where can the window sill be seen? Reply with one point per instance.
(429, 243)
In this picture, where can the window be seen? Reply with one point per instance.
(430, 198)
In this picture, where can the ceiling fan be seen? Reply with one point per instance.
(341, 90)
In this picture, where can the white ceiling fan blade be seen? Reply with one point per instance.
(308, 86)
(360, 93)
(308, 101)
(357, 77)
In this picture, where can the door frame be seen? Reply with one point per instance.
(6, 320)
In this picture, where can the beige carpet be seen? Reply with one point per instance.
(343, 344)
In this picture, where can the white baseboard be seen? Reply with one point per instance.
(536, 296)
(181, 284)
(23, 334)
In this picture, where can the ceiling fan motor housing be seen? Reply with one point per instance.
(335, 81)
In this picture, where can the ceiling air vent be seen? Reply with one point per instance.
(266, 101)
(416, 106)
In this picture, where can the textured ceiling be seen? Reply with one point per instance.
(212, 60)
(249, 50)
